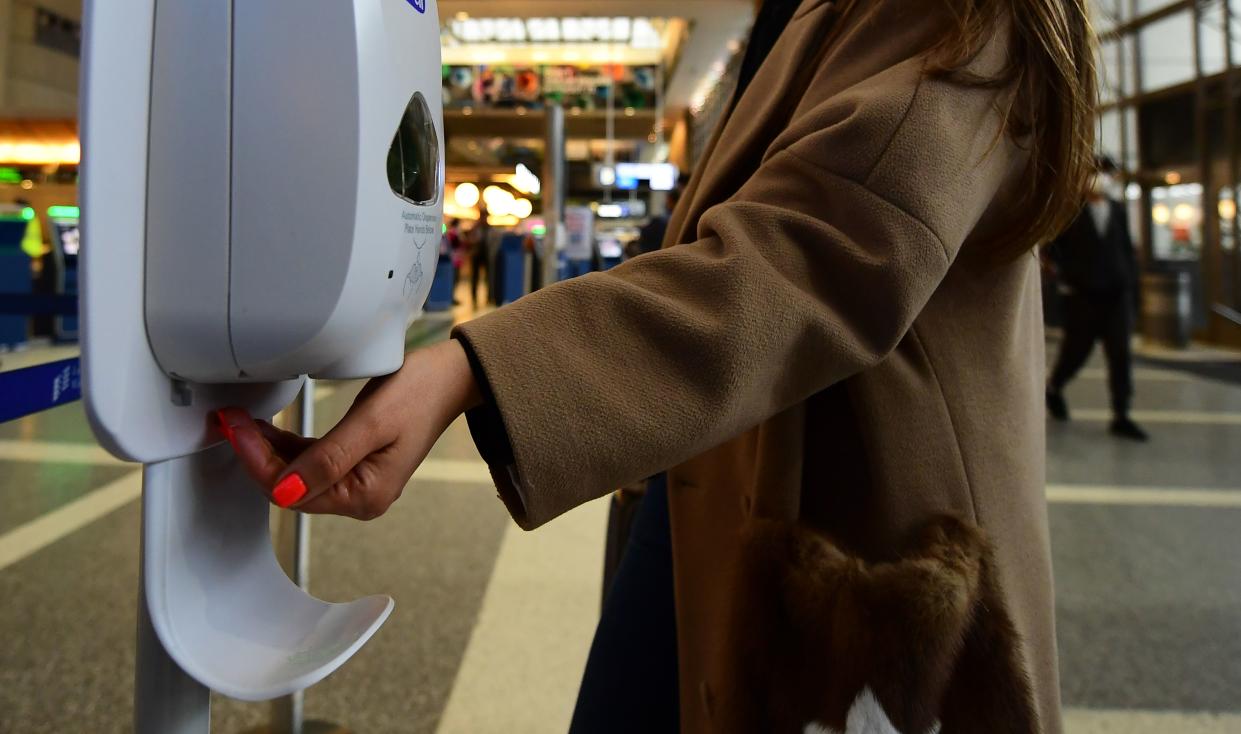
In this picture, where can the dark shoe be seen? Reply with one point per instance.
(1127, 429)
(1056, 406)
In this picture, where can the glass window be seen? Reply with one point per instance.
(1229, 294)
(1108, 69)
(1227, 213)
(1211, 37)
(1128, 66)
(1167, 50)
(1234, 10)
(1131, 161)
(1109, 140)
(1105, 14)
(1149, 6)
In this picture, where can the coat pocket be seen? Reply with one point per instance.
(827, 642)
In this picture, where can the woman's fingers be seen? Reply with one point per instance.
(288, 466)
(288, 444)
(334, 459)
(256, 453)
(362, 465)
(374, 484)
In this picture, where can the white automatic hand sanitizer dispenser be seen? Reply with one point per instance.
(262, 195)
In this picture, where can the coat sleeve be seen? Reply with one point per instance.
(813, 271)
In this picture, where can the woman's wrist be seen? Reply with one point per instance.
(442, 375)
(460, 377)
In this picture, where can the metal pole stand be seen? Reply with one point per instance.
(166, 700)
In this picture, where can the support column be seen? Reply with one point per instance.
(6, 46)
(554, 186)
(292, 544)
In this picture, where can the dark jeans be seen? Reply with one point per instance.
(1091, 317)
(630, 683)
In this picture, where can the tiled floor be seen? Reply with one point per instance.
(492, 624)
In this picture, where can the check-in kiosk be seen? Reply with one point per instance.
(14, 272)
(281, 221)
(66, 246)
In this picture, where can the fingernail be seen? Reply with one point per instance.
(288, 491)
(226, 428)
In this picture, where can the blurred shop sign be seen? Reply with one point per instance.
(661, 176)
(507, 86)
(579, 229)
(568, 80)
(58, 33)
(622, 210)
(525, 180)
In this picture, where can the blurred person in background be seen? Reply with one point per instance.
(479, 258)
(1097, 270)
(45, 273)
(651, 235)
(837, 357)
(454, 247)
(32, 241)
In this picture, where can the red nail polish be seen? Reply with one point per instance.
(288, 491)
(225, 428)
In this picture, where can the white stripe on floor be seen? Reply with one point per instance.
(55, 453)
(1090, 721)
(1141, 374)
(1200, 417)
(524, 661)
(1086, 494)
(41, 532)
(25, 540)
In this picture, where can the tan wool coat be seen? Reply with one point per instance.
(844, 386)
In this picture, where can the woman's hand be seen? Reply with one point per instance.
(362, 465)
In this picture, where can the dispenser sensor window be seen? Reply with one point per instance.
(413, 155)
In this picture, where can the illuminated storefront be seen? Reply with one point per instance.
(1168, 118)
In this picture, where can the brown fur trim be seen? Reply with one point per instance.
(923, 632)
(990, 691)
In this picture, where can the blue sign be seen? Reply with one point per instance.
(32, 389)
(419, 5)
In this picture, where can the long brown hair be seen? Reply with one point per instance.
(1051, 66)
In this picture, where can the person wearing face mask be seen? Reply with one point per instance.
(1098, 273)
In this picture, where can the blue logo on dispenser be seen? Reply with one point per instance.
(419, 5)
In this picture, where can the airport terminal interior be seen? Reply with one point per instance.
(568, 131)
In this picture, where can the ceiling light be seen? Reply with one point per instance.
(40, 153)
(1227, 209)
(466, 195)
(637, 32)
